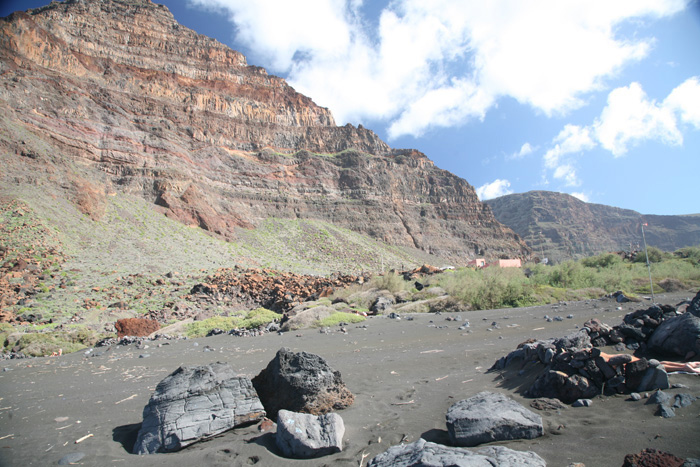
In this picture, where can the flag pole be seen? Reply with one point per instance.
(651, 284)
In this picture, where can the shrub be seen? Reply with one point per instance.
(655, 255)
(391, 282)
(339, 317)
(604, 260)
(691, 253)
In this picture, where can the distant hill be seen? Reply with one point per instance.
(559, 226)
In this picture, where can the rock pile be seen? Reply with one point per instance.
(301, 382)
(575, 369)
(274, 290)
(194, 403)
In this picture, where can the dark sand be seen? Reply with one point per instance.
(404, 374)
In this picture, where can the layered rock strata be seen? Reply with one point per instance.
(114, 95)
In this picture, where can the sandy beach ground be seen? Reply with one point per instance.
(405, 374)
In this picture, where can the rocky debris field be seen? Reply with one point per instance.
(408, 378)
(274, 290)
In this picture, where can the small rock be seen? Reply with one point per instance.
(659, 397)
(582, 403)
(267, 425)
(71, 458)
(545, 403)
(683, 400)
(635, 396)
(665, 411)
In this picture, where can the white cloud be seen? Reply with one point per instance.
(494, 189)
(685, 100)
(441, 63)
(572, 139)
(567, 172)
(630, 117)
(582, 196)
(525, 150)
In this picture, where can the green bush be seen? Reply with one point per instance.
(655, 256)
(691, 253)
(604, 260)
(339, 317)
(391, 282)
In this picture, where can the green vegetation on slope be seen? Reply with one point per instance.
(589, 278)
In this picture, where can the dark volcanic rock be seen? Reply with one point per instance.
(678, 336)
(423, 453)
(193, 403)
(301, 382)
(304, 436)
(488, 417)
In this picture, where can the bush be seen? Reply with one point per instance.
(339, 317)
(391, 282)
(655, 256)
(604, 260)
(691, 253)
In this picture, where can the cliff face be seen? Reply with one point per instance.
(106, 95)
(560, 226)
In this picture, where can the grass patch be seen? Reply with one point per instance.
(38, 344)
(339, 317)
(251, 320)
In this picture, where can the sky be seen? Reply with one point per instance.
(597, 99)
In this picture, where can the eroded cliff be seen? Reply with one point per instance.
(114, 95)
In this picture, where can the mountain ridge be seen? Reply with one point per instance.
(560, 226)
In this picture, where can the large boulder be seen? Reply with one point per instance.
(488, 417)
(424, 453)
(677, 336)
(301, 382)
(196, 402)
(303, 436)
(306, 318)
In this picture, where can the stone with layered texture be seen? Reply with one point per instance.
(148, 107)
(424, 453)
(488, 417)
(194, 403)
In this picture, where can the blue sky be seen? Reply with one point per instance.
(597, 99)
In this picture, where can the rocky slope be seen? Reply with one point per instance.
(114, 96)
(560, 226)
